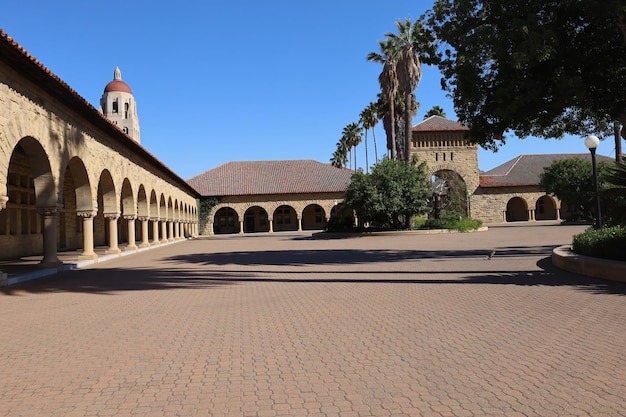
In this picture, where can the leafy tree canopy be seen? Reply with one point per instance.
(571, 181)
(394, 191)
(541, 68)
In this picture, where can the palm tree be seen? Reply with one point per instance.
(352, 136)
(388, 80)
(435, 111)
(340, 156)
(398, 123)
(369, 119)
(411, 39)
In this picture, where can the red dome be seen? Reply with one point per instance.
(117, 85)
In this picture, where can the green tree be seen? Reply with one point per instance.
(388, 80)
(541, 68)
(571, 181)
(435, 111)
(394, 191)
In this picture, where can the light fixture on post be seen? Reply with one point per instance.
(592, 142)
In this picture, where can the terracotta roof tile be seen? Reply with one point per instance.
(271, 177)
(439, 124)
(525, 169)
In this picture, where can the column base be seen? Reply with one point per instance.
(130, 248)
(51, 263)
(88, 257)
(144, 245)
(115, 251)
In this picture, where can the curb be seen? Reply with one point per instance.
(564, 258)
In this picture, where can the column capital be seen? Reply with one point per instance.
(3, 201)
(129, 216)
(49, 211)
(86, 213)
(143, 218)
(112, 216)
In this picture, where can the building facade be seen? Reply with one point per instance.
(72, 179)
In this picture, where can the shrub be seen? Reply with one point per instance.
(607, 243)
(452, 223)
(339, 224)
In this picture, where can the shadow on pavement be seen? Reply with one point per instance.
(115, 280)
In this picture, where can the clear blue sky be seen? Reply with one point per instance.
(242, 80)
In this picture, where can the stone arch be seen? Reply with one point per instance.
(170, 209)
(129, 207)
(106, 190)
(516, 210)
(29, 151)
(76, 198)
(449, 193)
(313, 217)
(226, 220)
(256, 219)
(546, 208)
(285, 218)
(162, 208)
(143, 205)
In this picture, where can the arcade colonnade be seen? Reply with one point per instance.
(70, 179)
(275, 213)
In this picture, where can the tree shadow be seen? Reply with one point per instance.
(347, 256)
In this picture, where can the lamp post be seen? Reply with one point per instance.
(592, 142)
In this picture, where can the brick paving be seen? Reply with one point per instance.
(286, 325)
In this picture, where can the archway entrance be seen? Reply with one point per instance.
(313, 217)
(285, 219)
(545, 209)
(449, 194)
(226, 221)
(256, 220)
(516, 210)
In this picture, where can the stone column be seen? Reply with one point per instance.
(531, 215)
(145, 240)
(163, 230)
(3, 204)
(113, 247)
(271, 225)
(50, 259)
(130, 221)
(155, 231)
(170, 230)
(87, 216)
(176, 229)
(299, 224)
(241, 227)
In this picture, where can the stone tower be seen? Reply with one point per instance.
(118, 105)
(441, 143)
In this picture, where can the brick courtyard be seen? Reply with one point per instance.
(286, 325)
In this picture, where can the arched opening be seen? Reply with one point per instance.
(29, 186)
(545, 208)
(516, 210)
(256, 220)
(285, 219)
(76, 197)
(449, 195)
(107, 206)
(313, 217)
(226, 221)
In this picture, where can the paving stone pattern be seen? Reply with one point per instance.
(286, 325)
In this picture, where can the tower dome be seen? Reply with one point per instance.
(118, 105)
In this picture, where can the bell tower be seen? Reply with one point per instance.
(118, 105)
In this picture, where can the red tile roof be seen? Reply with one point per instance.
(439, 124)
(271, 177)
(525, 169)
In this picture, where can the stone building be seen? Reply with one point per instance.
(272, 196)
(119, 106)
(509, 192)
(72, 179)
